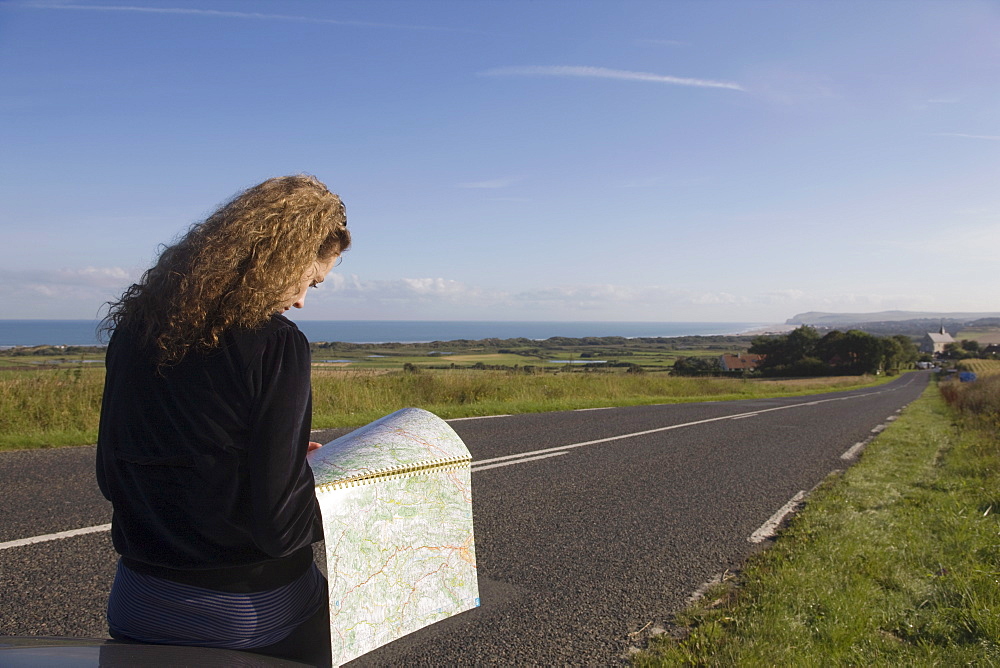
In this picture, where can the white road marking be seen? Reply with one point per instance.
(517, 461)
(54, 536)
(570, 446)
(853, 451)
(599, 408)
(477, 417)
(485, 464)
(768, 528)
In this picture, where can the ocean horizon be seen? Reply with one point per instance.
(84, 332)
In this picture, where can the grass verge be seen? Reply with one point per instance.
(353, 398)
(895, 562)
(57, 407)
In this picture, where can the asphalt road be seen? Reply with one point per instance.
(592, 527)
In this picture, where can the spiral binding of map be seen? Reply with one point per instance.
(433, 466)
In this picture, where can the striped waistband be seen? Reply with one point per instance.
(150, 609)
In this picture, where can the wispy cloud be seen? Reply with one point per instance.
(661, 42)
(216, 13)
(49, 281)
(80, 293)
(606, 73)
(784, 86)
(61, 293)
(973, 243)
(967, 136)
(492, 183)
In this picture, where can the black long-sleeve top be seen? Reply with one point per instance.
(204, 463)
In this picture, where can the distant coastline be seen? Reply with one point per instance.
(84, 332)
(769, 329)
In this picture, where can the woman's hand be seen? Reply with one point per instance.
(313, 445)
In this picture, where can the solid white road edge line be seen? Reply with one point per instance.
(477, 417)
(54, 536)
(768, 528)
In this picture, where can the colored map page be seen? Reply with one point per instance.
(397, 516)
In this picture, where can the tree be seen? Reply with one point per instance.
(694, 366)
(970, 345)
(892, 354)
(955, 351)
(803, 353)
(833, 349)
(783, 352)
(910, 353)
(867, 351)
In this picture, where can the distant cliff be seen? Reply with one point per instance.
(911, 323)
(819, 318)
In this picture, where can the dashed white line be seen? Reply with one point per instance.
(768, 528)
(853, 451)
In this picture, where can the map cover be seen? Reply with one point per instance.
(396, 499)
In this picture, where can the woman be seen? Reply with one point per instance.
(205, 427)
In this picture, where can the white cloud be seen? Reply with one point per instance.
(606, 73)
(964, 243)
(787, 87)
(62, 293)
(967, 136)
(406, 290)
(101, 277)
(440, 298)
(493, 183)
(81, 277)
(661, 42)
(81, 292)
(216, 13)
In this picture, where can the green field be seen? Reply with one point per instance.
(51, 396)
(609, 353)
(984, 336)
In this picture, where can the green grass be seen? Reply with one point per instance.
(49, 407)
(345, 398)
(894, 563)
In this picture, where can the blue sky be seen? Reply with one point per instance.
(518, 160)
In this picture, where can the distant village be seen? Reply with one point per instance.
(815, 351)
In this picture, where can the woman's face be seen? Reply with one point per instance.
(312, 278)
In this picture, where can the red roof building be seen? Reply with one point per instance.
(742, 362)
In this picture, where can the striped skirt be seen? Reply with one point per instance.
(153, 610)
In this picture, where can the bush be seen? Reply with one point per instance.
(979, 399)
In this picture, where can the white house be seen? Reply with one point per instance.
(934, 342)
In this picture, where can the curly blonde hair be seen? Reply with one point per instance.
(234, 269)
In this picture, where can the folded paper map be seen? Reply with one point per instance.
(396, 499)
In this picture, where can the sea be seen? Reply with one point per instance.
(84, 332)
